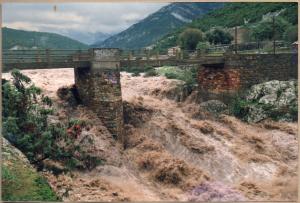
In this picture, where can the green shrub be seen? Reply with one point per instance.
(239, 107)
(203, 47)
(151, 73)
(135, 74)
(188, 75)
(20, 183)
(44, 189)
(171, 75)
(73, 122)
(25, 113)
(291, 34)
(294, 112)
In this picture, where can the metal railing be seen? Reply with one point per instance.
(43, 56)
(262, 47)
(71, 55)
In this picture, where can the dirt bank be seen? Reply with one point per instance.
(168, 152)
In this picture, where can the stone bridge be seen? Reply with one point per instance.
(97, 76)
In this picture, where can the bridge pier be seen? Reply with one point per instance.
(99, 88)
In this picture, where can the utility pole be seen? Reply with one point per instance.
(235, 39)
(274, 43)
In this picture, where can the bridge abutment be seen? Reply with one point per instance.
(241, 71)
(99, 88)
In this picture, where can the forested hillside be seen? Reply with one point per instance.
(29, 39)
(236, 14)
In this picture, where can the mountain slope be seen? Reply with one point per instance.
(158, 24)
(87, 37)
(29, 39)
(235, 14)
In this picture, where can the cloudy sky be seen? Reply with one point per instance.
(80, 17)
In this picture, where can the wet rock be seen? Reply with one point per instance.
(274, 99)
(215, 107)
(180, 93)
(269, 99)
(256, 114)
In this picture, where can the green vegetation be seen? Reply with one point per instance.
(42, 40)
(264, 29)
(189, 75)
(203, 47)
(20, 182)
(235, 14)
(218, 36)
(291, 33)
(246, 14)
(240, 108)
(151, 73)
(26, 125)
(190, 38)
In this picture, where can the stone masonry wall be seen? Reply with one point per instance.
(242, 71)
(99, 88)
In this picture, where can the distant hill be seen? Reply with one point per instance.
(235, 14)
(12, 38)
(158, 24)
(87, 37)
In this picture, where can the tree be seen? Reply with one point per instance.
(218, 36)
(264, 30)
(189, 38)
(291, 34)
(203, 47)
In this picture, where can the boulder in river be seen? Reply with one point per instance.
(273, 99)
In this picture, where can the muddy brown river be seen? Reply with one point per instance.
(168, 152)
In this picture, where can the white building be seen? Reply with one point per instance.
(173, 51)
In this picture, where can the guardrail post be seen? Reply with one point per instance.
(274, 45)
(148, 56)
(48, 57)
(38, 56)
(198, 53)
(157, 54)
(181, 54)
(235, 39)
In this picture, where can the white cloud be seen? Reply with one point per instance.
(64, 17)
(132, 17)
(21, 26)
(80, 17)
